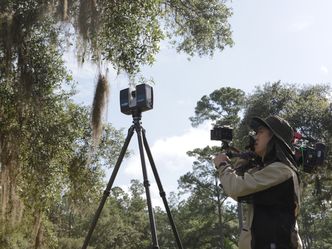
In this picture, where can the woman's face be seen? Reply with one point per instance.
(263, 136)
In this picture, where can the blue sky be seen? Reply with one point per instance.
(287, 40)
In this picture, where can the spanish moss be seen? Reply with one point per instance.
(98, 107)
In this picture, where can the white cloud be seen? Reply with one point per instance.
(170, 153)
(184, 102)
(301, 23)
(181, 102)
(324, 69)
(171, 160)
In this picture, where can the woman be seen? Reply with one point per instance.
(271, 191)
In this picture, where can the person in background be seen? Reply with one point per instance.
(271, 191)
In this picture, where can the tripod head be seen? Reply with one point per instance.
(137, 116)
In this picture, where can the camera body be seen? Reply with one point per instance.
(136, 100)
(308, 152)
(310, 156)
(222, 133)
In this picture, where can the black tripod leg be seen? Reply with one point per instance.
(161, 191)
(109, 186)
(147, 191)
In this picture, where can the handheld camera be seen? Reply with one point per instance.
(308, 152)
(222, 133)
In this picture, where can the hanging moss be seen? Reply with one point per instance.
(98, 107)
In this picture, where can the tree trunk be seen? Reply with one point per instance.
(37, 230)
(11, 206)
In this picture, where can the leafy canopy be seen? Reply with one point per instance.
(126, 33)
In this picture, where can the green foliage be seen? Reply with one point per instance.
(315, 219)
(198, 27)
(130, 33)
(207, 222)
(127, 33)
(51, 179)
(50, 176)
(308, 109)
(123, 222)
(45, 137)
(72, 243)
(222, 106)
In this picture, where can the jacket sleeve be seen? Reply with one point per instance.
(236, 186)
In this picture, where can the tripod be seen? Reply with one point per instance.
(141, 140)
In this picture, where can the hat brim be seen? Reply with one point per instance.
(257, 122)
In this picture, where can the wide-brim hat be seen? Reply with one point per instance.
(279, 127)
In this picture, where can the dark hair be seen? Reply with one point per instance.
(277, 151)
(270, 154)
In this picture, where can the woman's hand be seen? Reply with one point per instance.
(220, 159)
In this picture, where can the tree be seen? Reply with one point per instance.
(45, 141)
(48, 157)
(45, 138)
(126, 33)
(206, 221)
(308, 109)
(123, 222)
(221, 106)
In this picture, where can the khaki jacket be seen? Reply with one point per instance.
(254, 181)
